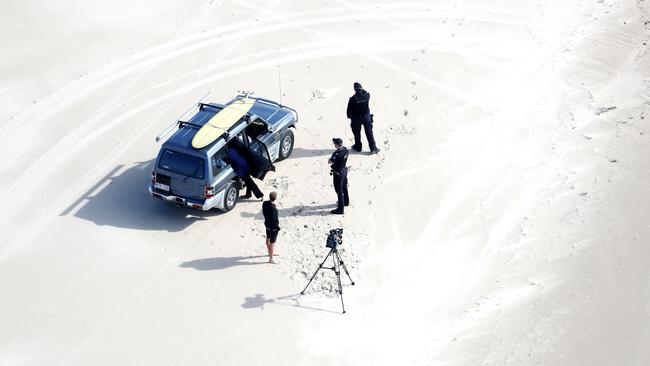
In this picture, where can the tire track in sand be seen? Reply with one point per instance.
(138, 131)
(151, 104)
(146, 64)
(122, 145)
(111, 156)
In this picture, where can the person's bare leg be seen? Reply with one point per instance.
(270, 246)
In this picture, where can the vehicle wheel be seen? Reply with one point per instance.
(286, 145)
(230, 197)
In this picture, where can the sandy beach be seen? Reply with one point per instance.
(504, 221)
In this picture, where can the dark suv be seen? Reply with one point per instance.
(203, 178)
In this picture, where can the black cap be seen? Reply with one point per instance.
(337, 141)
(357, 86)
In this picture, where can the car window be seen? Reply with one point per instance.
(183, 164)
(218, 162)
(256, 128)
(260, 149)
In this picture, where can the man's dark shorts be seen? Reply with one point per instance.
(272, 235)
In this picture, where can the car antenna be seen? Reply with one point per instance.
(280, 83)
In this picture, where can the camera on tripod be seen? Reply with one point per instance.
(334, 238)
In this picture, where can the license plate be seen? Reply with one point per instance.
(161, 186)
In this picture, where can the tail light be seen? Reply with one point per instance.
(208, 192)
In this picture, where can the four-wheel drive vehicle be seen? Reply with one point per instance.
(203, 178)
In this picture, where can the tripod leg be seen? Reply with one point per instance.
(315, 273)
(335, 259)
(344, 267)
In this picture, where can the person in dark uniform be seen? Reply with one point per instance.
(359, 114)
(339, 173)
(271, 222)
(241, 168)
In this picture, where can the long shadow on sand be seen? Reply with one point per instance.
(121, 199)
(216, 263)
(300, 210)
(259, 300)
(299, 152)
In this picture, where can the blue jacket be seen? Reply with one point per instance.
(239, 164)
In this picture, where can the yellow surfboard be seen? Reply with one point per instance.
(221, 122)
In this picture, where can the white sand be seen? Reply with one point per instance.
(504, 221)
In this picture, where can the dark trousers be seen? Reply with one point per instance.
(251, 186)
(341, 188)
(356, 124)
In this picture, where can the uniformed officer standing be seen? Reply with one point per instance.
(359, 114)
(339, 173)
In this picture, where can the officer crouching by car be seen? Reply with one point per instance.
(339, 174)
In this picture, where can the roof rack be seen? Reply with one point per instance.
(268, 101)
(183, 124)
(180, 122)
(213, 105)
(181, 118)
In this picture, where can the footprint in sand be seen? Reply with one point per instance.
(401, 130)
(280, 183)
(316, 94)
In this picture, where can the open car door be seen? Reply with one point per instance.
(260, 160)
(253, 150)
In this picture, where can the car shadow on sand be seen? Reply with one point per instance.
(217, 263)
(121, 199)
(299, 210)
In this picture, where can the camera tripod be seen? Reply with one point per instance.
(337, 262)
